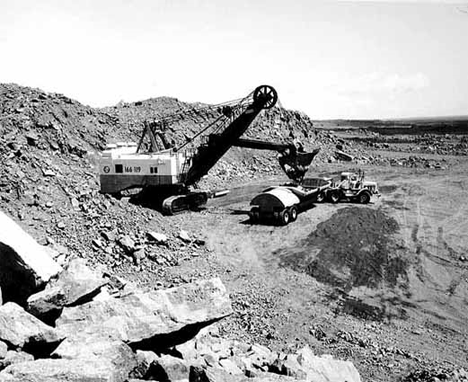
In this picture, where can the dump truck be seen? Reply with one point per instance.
(282, 204)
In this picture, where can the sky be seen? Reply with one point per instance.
(329, 59)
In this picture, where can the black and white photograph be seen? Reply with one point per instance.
(234, 191)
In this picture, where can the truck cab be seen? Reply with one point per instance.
(353, 187)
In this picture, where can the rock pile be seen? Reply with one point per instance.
(430, 375)
(418, 162)
(99, 338)
(88, 326)
(448, 144)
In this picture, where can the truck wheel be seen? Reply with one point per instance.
(320, 197)
(285, 217)
(254, 215)
(293, 213)
(364, 198)
(334, 196)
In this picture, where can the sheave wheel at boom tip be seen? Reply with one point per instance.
(267, 95)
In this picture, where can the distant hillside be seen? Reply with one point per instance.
(407, 126)
(452, 118)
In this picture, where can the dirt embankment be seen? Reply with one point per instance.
(353, 249)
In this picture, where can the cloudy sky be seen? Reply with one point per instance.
(330, 59)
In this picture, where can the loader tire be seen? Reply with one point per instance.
(334, 196)
(321, 197)
(364, 198)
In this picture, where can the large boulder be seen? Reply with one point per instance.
(3, 349)
(18, 328)
(13, 357)
(230, 366)
(168, 368)
(25, 266)
(289, 366)
(261, 356)
(188, 350)
(325, 368)
(214, 374)
(55, 370)
(77, 283)
(99, 347)
(159, 319)
(145, 359)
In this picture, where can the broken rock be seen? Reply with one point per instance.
(18, 327)
(77, 283)
(48, 172)
(188, 350)
(230, 366)
(290, 367)
(145, 361)
(13, 357)
(139, 255)
(31, 139)
(261, 355)
(271, 377)
(159, 238)
(24, 265)
(169, 368)
(343, 156)
(100, 347)
(3, 349)
(325, 368)
(49, 370)
(184, 236)
(167, 317)
(127, 244)
(212, 374)
(108, 235)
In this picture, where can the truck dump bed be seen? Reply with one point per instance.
(319, 183)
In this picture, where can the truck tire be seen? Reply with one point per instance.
(293, 213)
(321, 197)
(364, 197)
(285, 217)
(334, 196)
(254, 215)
